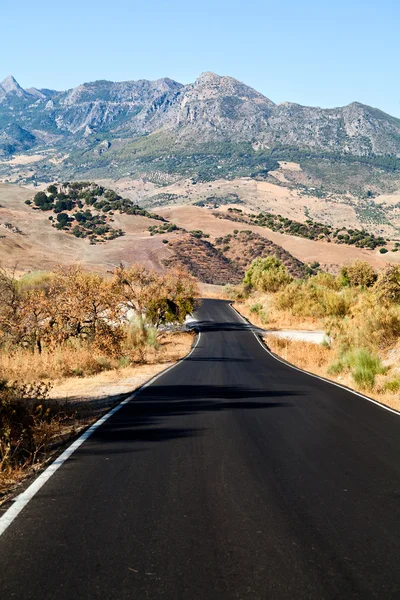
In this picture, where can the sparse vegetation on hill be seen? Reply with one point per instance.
(311, 230)
(203, 260)
(225, 261)
(164, 228)
(216, 201)
(162, 199)
(85, 209)
(242, 247)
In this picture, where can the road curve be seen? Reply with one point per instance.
(232, 476)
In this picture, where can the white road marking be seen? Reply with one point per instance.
(22, 500)
(342, 387)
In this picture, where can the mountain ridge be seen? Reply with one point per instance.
(102, 126)
(205, 75)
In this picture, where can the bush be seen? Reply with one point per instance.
(358, 274)
(325, 280)
(393, 385)
(374, 324)
(299, 300)
(383, 250)
(387, 286)
(26, 423)
(363, 365)
(256, 308)
(335, 304)
(306, 299)
(267, 275)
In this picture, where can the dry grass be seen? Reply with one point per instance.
(75, 401)
(65, 362)
(306, 355)
(209, 290)
(317, 359)
(276, 319)
(48, 366)
(127, 377)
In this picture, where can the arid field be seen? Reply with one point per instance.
(35, 244)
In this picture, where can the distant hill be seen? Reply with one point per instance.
(88, 224)
(216, 126)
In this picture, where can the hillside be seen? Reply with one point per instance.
(32, 243)
(212, 128)
(35, 239)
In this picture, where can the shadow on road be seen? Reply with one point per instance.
(207, 326)
(212, 359)
(148, 418)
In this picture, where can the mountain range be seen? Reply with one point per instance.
(141, 126)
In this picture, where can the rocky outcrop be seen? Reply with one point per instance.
(213, 108)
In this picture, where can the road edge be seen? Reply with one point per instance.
(292, 366)
(22, 499)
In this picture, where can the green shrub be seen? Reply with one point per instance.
(363, 365)
(256, 308)
(124, 361)
(306, 299)
(299, 299)
(393, 385)
(378, 325)
(325, 280)
(334, 304)
(336, 367)
(267, 275)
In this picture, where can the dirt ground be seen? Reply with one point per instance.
(330, 256)
(41, 246)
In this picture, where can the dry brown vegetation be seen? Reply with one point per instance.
(203, 260)
(43, 247)
(226, 261)
(72, 323)
(242, 247)
(358, 309)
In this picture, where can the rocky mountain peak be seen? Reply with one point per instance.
(207, 78)
(212, 85)
(213, 108)
(11, 86)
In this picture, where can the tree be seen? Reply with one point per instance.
(23, 313)
(387, 286)
(86, 307)
(179, 293)
(63, 220)
(156, 298)
(267, 275)
(358, 274)
(42, 201)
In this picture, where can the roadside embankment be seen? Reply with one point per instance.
(373, 371)
(56, 410)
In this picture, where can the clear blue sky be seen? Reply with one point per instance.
(316, 52)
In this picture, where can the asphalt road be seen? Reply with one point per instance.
(232, 476)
